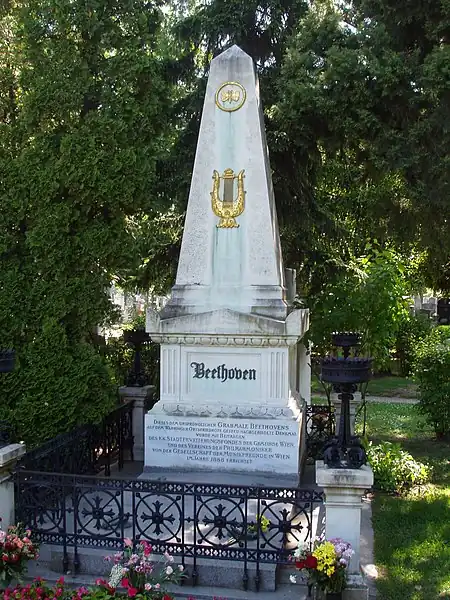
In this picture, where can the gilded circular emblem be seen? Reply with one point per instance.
(230, 96)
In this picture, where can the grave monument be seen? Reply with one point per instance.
(234, 371)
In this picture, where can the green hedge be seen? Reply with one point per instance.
(55, 386)
(432, 373)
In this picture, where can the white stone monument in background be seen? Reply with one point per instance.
(232, 363)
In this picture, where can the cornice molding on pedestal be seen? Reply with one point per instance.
(224, 340)
(223, 411)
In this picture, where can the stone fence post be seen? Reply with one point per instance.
(344, 490)
(9, 456)
(141, 396)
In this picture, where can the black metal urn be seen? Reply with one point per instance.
(7, 360)
(345, 372)
(136, 338)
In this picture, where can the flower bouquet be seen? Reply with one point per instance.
(16, 549)
(325, 565)
(135, 570)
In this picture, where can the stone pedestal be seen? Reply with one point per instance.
(141, 397)
(344, 489)
(9, 455)
(354, 405)
(228, 400)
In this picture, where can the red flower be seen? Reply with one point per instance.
(300, 564)
(167, 597)
(311, 562)
(147, 548)
(132, 592)
(125, 582)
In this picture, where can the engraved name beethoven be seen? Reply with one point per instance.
(222, 373)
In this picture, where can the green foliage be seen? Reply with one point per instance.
(362, 93)
(119, 357)
(394, 469)
(370, 298)
(83, 122)
(412, 330)
(432, 374)
(57, 385)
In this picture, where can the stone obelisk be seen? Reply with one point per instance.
(232, 363)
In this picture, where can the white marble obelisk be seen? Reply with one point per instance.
(230, 341)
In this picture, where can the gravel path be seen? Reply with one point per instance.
(392, 399)
(382, 399)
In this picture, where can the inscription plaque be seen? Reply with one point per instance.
(231, 443)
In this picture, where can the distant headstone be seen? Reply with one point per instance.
(443, 311)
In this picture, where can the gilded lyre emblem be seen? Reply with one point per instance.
(230, 207)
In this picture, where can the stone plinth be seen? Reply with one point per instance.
(9, 455)
(344, 489)
(140, 397)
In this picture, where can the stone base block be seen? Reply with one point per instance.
(184, 592)
(356, 590)
(210, 572)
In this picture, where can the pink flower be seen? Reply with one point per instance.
(128, 542)
(132, 592)
(148, 587)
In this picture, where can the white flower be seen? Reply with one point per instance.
(180, 568)
(115, 577)
(169, 571)
(157, 586)
(148, 586)
(292, 579)
(168, 557)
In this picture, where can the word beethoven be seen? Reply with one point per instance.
(222, 373)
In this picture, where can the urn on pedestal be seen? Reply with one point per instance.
(345, 372)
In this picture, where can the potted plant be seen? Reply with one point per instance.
(16, 549)
(325, 565)
(262, 525)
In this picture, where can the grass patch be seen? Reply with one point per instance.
(321, 400)
(402, 387)
(412, 534)
(394, 423)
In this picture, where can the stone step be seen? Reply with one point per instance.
(209, 591)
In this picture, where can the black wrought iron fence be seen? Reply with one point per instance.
(250, 524)
(89, 449)
(320, 426)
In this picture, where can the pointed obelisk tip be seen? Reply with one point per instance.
(232, 53)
